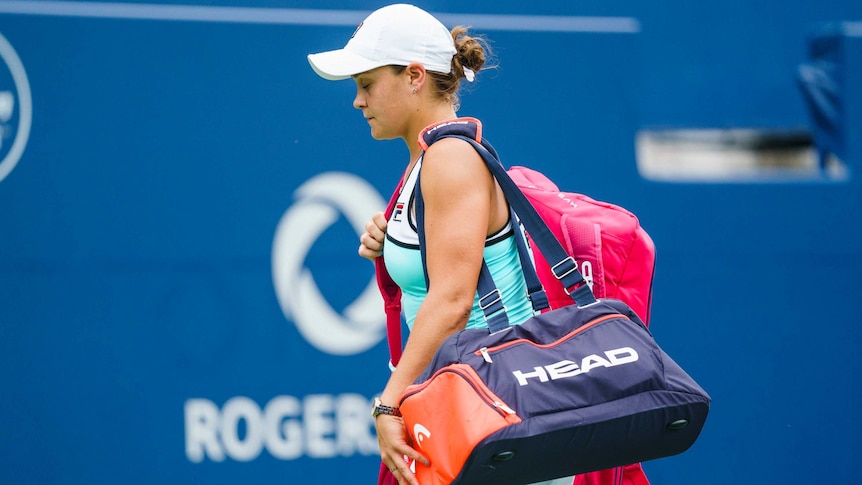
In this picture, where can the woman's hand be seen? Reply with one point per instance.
(371, 241)
(394, 449)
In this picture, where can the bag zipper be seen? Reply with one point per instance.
(463, 371)
(485, 352)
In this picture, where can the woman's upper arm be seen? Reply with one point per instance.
(457, 189)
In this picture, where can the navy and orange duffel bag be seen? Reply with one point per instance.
(570, 391)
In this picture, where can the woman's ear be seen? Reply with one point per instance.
(416, 75)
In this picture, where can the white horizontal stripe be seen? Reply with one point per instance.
(853, 28)
(294, 16)
(543, 23)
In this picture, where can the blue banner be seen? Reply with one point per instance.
(180, 197)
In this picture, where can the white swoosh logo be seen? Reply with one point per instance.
(420, 433)
(319, 202)
(25, 108)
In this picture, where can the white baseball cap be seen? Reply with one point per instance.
(393, 35)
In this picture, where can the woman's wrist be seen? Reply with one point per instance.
(379, 408)
(391, 394)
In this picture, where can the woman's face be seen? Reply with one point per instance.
(383, 94)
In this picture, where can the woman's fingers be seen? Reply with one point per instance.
(371, 241)
(396, 452)
(376, 227)
(402, 472)
(379, 220)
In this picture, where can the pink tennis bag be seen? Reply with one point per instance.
(614, 253)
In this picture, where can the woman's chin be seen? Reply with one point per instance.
(377, 135)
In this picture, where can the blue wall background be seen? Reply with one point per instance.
(139, 302)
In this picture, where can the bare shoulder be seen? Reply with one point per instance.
(454, 161)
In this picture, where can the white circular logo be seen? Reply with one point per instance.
(16, 109)
(320, 200)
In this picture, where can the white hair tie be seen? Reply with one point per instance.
(469, 74)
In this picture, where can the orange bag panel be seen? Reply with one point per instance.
(447, 416)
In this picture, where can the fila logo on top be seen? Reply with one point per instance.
(568, 368)
(319, 203)
(16, 109)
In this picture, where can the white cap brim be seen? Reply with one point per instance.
(340, 64)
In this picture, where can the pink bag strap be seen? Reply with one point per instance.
(391, 294)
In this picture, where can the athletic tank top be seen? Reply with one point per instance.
(404, 262)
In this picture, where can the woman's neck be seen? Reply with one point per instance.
(440, 113)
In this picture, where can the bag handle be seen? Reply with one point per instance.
(535, 291)
(563, 266)
(490, 298)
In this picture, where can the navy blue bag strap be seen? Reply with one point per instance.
(563, 266)
(490, 299)
(485, 286)
(535, 291)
